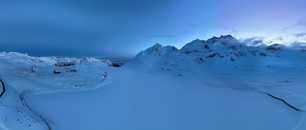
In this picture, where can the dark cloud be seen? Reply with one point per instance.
(124, 27)
(90, 27)
(254, 41)
(300, 34)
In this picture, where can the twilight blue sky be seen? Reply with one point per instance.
(125, 27)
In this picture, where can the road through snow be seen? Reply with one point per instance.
(24, 95)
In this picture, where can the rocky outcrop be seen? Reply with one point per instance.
(275, 47)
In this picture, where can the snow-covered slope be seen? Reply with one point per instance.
(23, 75)
(274, 70)
(215, 84)
(137, 100)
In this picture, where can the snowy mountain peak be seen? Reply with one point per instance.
(228, 37)
(195, 46)
(225, 47)
(157, 45)
(206, 46)
(158, 50)
(155, 49)
(223, 38)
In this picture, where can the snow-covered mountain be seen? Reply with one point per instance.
(215, 84)
(258, 67)
(224, 49)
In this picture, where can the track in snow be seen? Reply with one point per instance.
(3, 88)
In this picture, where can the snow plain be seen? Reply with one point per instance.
(215, 84)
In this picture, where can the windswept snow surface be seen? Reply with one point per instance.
(138, 101)
(24, 76)
(215, 84)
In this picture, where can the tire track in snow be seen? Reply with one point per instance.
(285, 102)
(22, 98)
(25, 104)
(24, 95)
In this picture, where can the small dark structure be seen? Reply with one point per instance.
(64, 64)
(116, 65)
(262, 54)
(61, 67)
(117, 62)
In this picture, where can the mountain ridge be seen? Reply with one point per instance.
(223, 47)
